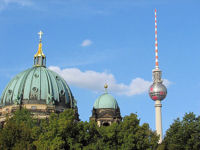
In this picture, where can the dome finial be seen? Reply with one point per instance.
(106, 86)
(39, 57)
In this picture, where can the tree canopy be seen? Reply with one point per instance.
(183, 134)
(62, 131)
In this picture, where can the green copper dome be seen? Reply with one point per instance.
(106, 101)
(37, 85)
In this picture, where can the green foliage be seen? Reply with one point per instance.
(134, 136)
(183, 134)
(16, 133)
(126, 135)
(62, 131)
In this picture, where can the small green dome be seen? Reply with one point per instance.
(106, 101)
(38, 85)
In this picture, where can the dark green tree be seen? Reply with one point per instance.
(132, 135)
(183, 134)
(127, 135)
(16, 133)
(62, 131)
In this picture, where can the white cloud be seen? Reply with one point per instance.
(166, 82)
(20, 2)
(5, 3)
(95, 81)
(86, 43)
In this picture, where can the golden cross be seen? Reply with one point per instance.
(40, 34)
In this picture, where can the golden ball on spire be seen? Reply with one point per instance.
(106, 86)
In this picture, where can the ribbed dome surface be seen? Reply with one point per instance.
(39, 85)
(106, 101)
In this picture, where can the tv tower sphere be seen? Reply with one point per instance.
(157, 91)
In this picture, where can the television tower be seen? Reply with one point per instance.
(157, 90)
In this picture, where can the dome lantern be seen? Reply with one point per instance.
(39, 57)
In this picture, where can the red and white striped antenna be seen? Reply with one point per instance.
(156, 41)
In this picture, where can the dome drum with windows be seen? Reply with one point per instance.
(38, 88)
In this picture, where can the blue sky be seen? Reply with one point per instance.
(112, 41)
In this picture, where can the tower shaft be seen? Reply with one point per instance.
(158, 107)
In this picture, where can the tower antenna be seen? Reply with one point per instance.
(156, 41)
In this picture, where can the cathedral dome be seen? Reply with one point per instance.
(106, 110)
(106, 101)
(37, 85)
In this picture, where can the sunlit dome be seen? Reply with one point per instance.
(106, 101)
(38, 85)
